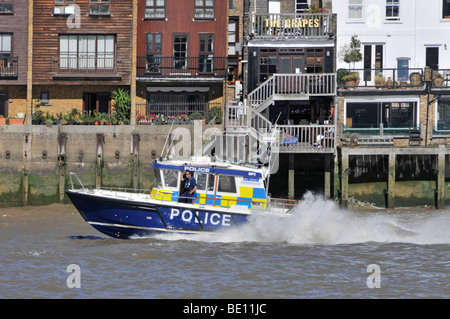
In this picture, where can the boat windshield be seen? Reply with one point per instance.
(170, 178)
(204, 180)
(158, 177)
(227, 184)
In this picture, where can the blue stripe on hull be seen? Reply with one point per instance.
(121, 219)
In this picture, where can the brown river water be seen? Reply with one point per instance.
(320, 251)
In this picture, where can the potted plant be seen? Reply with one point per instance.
(352, 79)
(415, 79)
(341, 74)
(380, 80)
(350, 53)
(437, 79)
(122, 104)
(37, 118)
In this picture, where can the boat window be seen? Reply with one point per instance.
(158, 177)
(201, 181)
(211, 182)
(170, 178)
(227, 184)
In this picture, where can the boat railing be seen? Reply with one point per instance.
(110, 189)
(78, 179)
(282, 203)
(278, 203)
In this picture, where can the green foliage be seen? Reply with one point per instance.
(122, 104)
(216, 112)
(350, 52)
(196, 116)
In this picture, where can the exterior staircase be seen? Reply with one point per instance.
(247, 119)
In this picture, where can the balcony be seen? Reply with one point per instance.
(440, 79)
(209, 68)
(9, 68)
(382, 79)
(182, 111)
(291, 26)
(293, 138)
(74, 68)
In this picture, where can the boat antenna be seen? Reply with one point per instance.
(269, 151)
(162, 152)
(171, 143)
(268, 147)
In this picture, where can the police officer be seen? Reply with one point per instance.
(190, 186)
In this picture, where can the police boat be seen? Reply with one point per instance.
(226, 196)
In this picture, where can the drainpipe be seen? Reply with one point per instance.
(133, 64)
(29, 64)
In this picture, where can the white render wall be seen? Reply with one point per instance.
(420, 25)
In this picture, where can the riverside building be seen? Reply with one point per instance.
(393, 98)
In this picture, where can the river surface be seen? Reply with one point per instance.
(320, 251)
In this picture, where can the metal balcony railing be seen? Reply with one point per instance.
(9, 68)
(314, 84)
(301, 138)
(290, 26)
(293, 138)
(86, 66)
(175, 109)
(440, 78)
(380, 78)
(181, 67)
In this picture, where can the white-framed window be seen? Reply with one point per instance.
(274, 6)
(403, 69)
(6, 7)
(396, 114)
(204, 9)
(355, 9)
(232, 28)
(5, 50)
(392, 10)
(64, 7)
(302, 5)
(155, 9)
(443, 115)
(86, 51)
(100, 7)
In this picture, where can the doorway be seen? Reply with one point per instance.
(99, 102)
(180, 51)
(432, 58)
(373, 59)
(291, 64)
(4, 104)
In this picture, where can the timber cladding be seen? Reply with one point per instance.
(16, 25)
(52, 59)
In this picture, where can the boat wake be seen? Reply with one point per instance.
(319, 221)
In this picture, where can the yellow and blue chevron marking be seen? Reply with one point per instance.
(249, 196)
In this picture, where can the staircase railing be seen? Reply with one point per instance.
(322, 84)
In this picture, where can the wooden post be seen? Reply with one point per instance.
(344, 179)
(336, 179)
(391, 180)
(291, 182)
(440, 183)
(327, 181)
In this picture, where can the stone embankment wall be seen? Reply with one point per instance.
(35, 161)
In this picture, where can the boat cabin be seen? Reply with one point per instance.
(219, 185)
